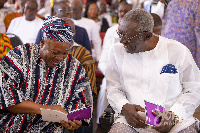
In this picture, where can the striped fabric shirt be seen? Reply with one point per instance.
(25, 78)
(85, 58)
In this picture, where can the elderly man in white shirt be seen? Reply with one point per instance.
(148, 67)
(91, 27)
(27, 26)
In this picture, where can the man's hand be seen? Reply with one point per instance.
(167, 121)
(71, 125)
(132, 117)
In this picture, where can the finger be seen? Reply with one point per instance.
(139, 118)
(138, 123)
(73, 124)
(66, 125)
(78, 122)
(139, 108)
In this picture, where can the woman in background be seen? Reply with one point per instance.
(91, 12)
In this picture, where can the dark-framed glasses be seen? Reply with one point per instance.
(64, 10)
(128, 39)
(75, 9)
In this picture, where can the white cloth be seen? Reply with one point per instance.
(2, 26)
(26, 30)
(133, 78)
(158, 9)
(107, 17)
(93, 33)
(110, 39)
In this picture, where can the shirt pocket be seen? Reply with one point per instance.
(172, 83)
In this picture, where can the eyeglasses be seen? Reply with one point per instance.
(64, 10)
(74, 9)
(128, 39)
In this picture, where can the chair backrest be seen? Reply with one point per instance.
(14, 39)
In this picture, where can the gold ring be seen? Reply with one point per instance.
(70, 127)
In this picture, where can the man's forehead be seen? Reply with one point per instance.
(124, 25)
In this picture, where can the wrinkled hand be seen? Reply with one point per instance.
(132, 117)
(71, 125)
(167, 121)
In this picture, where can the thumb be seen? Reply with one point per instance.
(139, 108)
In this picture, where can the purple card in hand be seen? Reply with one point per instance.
(80, 114)
(152, 119)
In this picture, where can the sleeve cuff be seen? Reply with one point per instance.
(179, 110)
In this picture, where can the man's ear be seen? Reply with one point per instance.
(147, 36)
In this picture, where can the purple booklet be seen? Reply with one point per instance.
(152, 119)
(80, 114)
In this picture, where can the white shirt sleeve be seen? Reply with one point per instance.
(2, 26)
(115, 95)
(189, 99)
(158, 9)
(107, 43)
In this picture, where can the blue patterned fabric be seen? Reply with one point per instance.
(57, 29)
(169, 68)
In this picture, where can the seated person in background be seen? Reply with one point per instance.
(5, 45)
(103, 13)
(90, 26)
(85, 58)
(91, 12)
(10, 16)
(27, 27)
(61, 9)
(159, 6)
(147, 67)
(46, 76)
(157, 24)
(110, 39)
(3, 12)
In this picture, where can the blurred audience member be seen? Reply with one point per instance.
(159, 7)
(91, 12)
(5, 45)
(10, 16)
(3, 12)
(182, 23)
(103, 13)
(157, 24)
(27, 27)
(61, 9)
(89, 25)
(110, 39)
(44, 8)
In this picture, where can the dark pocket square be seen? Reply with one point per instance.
(169, 68)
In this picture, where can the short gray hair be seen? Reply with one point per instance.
(142, 18)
